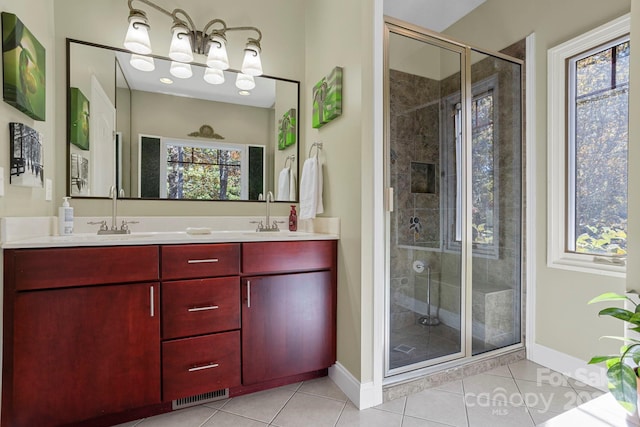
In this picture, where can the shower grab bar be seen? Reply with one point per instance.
(318, 146)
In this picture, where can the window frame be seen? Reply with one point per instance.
(558, 59)
(244, 163)
(453, 217)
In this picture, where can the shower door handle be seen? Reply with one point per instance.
(389, 194)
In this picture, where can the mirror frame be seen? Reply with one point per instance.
(68, 131)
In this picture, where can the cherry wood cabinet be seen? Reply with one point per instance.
(288, 325)
(78, 352)
(288, 320)
(200, 319)
(96, 336)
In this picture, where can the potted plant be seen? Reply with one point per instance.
(622, 368)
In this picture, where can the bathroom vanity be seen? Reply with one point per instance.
(98, 335)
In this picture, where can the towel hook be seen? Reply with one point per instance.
(289, 158)
(318, 146)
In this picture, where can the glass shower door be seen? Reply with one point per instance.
(496, 193)
(425, 294)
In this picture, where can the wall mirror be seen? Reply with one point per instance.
(155, 136)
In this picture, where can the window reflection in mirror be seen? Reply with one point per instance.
(216, 125)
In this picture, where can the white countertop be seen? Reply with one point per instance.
(168, 237)
(39, 232)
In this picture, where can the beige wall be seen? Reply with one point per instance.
(335, 39)
(564, 322)
(24, 201)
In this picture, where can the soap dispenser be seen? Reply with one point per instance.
(293, 219)
(65, 218)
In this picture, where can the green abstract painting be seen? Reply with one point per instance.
(327, 98)
(23, 68)
(287, 129)
(79, 119)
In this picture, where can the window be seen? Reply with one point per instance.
(203, 171)
(484, 182)
(588, 85)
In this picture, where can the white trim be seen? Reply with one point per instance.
(529, 285)
(362, 395)
(372, 394)
(556, 159)
(578, 369)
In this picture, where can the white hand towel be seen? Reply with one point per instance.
(292, 186)
(284, 180)
(311, 189)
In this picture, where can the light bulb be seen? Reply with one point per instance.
(180, 70)
(245, 82)
(137, 38)
(217, 57)
(251, 65)
(213, 76)
(180, 49)
(142, 63)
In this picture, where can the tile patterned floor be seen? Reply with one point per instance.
(519, 395)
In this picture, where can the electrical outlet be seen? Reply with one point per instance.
(1, 182)
(48, 190)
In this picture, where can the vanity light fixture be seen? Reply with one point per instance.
(142, 63)
(187, 40)
(245, 81)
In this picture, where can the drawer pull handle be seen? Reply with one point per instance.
(248, 293)
(152, 300)
(200, 368)
(209, 307)
(202, 261)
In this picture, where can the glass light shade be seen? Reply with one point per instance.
(180, 49)
(251, 65)
(137, 38)
(142, 63)
(180, 70)
(245, 82)
(213, 76)
(217, 57)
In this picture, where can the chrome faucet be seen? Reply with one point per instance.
(268, 201)
(124, 227)
(268, 226)
(113, 193)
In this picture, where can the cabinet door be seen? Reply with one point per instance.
(84, 352)
(288, 325)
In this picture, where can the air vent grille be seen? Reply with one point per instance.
(199, 399)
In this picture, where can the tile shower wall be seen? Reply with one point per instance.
(415, 221)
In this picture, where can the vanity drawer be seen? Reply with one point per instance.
(267, 257)
(194, 261)
(199, 365)
(66, 267)
(200, 306)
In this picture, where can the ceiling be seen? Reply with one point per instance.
(435, 15)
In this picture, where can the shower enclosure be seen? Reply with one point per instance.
(453, 150)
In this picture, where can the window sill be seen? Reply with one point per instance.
(588, 264)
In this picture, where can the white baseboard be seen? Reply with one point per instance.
(578, 369)
(363, 396)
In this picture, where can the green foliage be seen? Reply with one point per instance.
(620, 373)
